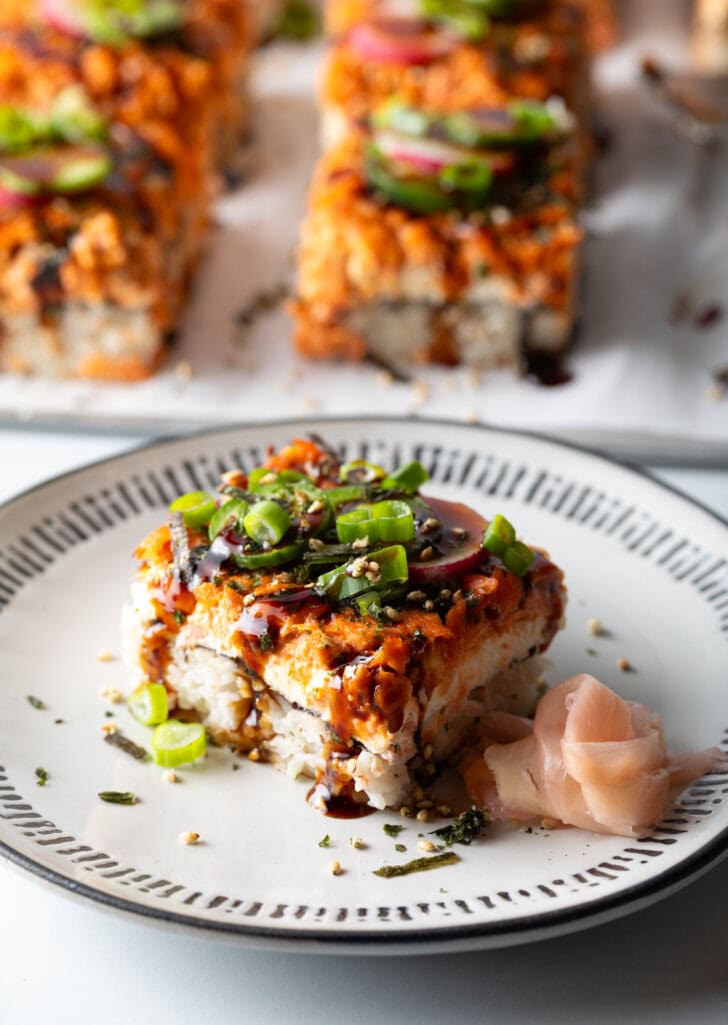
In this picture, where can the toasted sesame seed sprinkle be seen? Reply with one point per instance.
(430, 524)
(429, 605)
(315, 507)
(416, 596)
(316, 544)
(392, 614)
(109, 727)
(426, 845)
(105, 655)
(405, 812)
(189, 838)
(254, 755)
(624, 664)
(446, 594)
(594, 626)
(334, 868)
(459, 531)
(170, 776)
(427, 553)
(360, 542)
(423, 815)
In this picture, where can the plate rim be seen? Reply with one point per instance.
(525, 928)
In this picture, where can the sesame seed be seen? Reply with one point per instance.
(269, 478)
(459, 531)
(423, 815)
(254, 755)
(334, 868)
(416, 596)
(170, 776)
(500, 215)
(624, 664)
(112, 694)
(315, 507)
(109, 727)
(184, 370)
(426, 845)
(429, 605)
(427, 553)
(405, 811)
(189, 838)
(360, 542)
(430, 524)
(445, 594)
(105, 655)
(594, 626)
(392, 614)
(316, 544)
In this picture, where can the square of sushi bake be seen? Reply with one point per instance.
(182, 62)
(101, 224)
(337, 622)
(453, 57)
(444, 238)
(110, 136)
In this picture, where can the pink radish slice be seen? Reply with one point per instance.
(10, 200)
(458, 555)
(428, 155)
(400, 41)
(62, 15)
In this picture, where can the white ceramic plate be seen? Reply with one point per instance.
(643, 559)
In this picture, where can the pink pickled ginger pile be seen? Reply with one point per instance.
(589, 759)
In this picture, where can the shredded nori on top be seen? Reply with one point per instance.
(418, 865)
(465, 828)
(118, 739)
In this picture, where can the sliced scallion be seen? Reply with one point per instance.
(518, 558)
(175, 743)
(148, 704)
(231, 514)
(409, 477)
(266, 522)
(197, 508)
(499, 536)
(339, 584)
(359, 471)
(390, 521)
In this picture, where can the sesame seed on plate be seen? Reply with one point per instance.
(105, 655)
(594, 626)
(426, 845)
(334, 867)
(189, 838)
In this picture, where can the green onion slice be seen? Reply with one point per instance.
(409, 478)
(275, 557)
(197, 508)
(175, 743)
(499, 536)
(148, 704)
(262, 477)
(230, 514)
(518, 558)
(266, 522)
(340, 585)
(359, 471)
(384, 521)
(346, 493)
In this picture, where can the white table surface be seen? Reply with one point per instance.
(62, 957)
